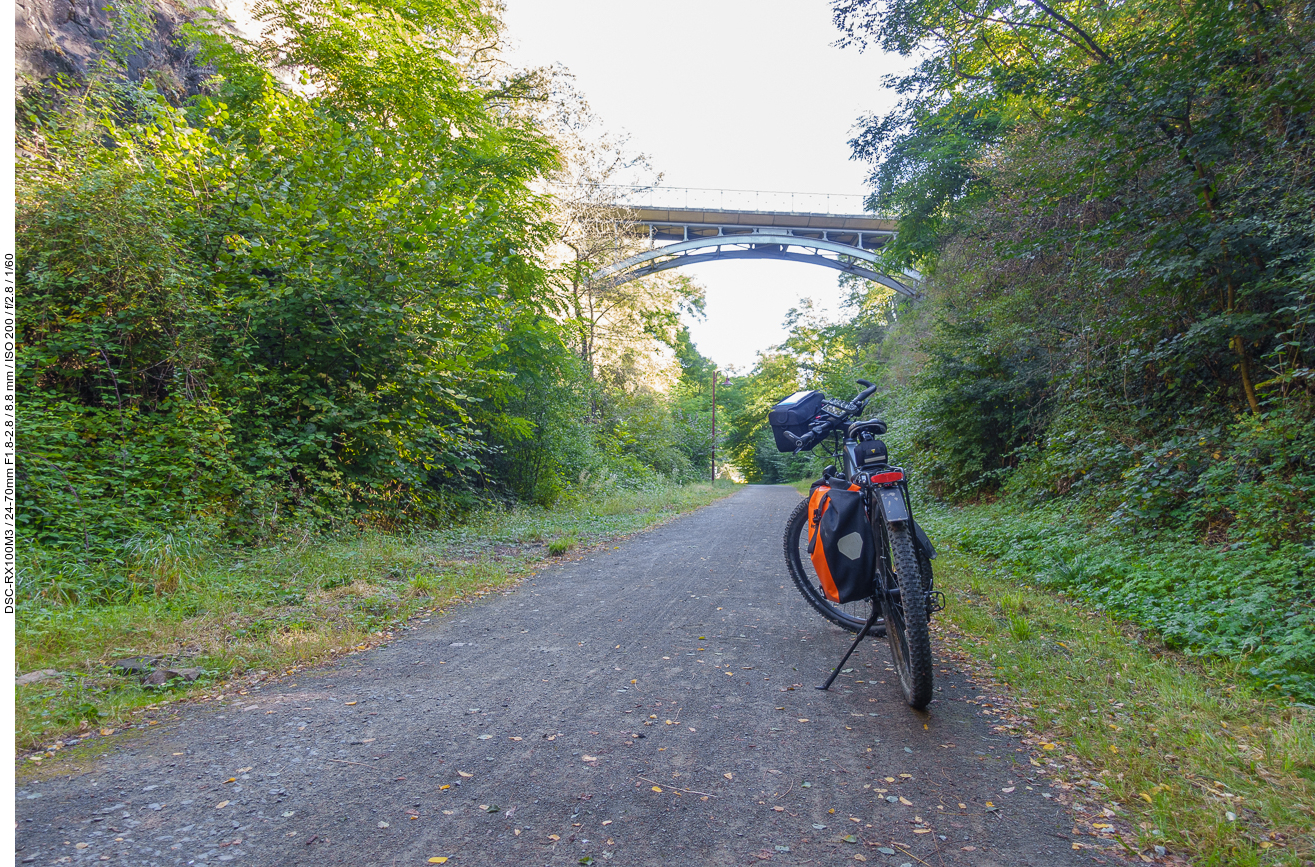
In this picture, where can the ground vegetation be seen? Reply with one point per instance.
(323, 290)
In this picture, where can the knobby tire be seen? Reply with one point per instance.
(907, 620)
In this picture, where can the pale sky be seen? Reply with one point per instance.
(721, 94)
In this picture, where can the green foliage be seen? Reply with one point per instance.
(980, 399)
(1260, 488)
(263, 308)
(926, 161)
(1019, 628)
(816, 354)
(274, 310)
(1148, 720)
(750, 440)
(558, 547)
(1111, 206)
(691, 405)
(1247, 601)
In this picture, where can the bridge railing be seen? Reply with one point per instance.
(773, 201)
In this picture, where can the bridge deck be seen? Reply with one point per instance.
(683, 224)
(812, 228)
(785, 220)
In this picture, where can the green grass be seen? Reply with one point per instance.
(559, 546)
(1248, 602)
(271, 609)
(1180, 742)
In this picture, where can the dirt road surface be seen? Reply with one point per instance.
(652, 703)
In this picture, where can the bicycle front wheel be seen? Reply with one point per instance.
(906, 614)
(850, 616)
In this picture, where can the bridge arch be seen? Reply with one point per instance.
(845, 242)
(829, 254)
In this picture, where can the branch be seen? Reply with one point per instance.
(1034, 25)
(1100, 52)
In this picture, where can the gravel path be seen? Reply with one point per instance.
(648, 704)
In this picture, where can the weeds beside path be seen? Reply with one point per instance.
(271, 609)
(1185, 754)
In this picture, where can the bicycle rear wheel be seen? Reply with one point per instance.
(906, 615)
(851, 615)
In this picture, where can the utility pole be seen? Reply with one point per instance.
(714, 425)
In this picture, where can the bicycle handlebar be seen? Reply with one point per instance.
(822, 427)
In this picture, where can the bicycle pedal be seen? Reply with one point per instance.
(936, 601)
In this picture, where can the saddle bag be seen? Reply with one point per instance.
(840, 543)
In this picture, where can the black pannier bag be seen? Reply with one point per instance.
(793, 415)
(840, 543)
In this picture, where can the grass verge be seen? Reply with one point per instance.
(271, 610)
(803, 486)
(1182, 753)
(1244, 600)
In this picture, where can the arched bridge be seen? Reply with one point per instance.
(686, 226)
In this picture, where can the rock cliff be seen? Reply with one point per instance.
(54, 37)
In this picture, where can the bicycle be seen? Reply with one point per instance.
(904, 597)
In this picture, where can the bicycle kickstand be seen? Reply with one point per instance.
(876, 613)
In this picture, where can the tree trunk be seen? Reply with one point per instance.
(1244, 367)
(1243, 363)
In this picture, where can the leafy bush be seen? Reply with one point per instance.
(262, 307)
(1259, 483)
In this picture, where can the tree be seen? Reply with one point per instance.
(1191, 116)
(1113, 205)
(620, 326)
(273, 302)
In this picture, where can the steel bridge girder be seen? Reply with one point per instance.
(757, 245)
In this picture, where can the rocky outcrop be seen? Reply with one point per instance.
(54, 37)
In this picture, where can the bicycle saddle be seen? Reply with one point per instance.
(875, 425)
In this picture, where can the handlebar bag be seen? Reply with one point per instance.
(840, 543)
(793, 414)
